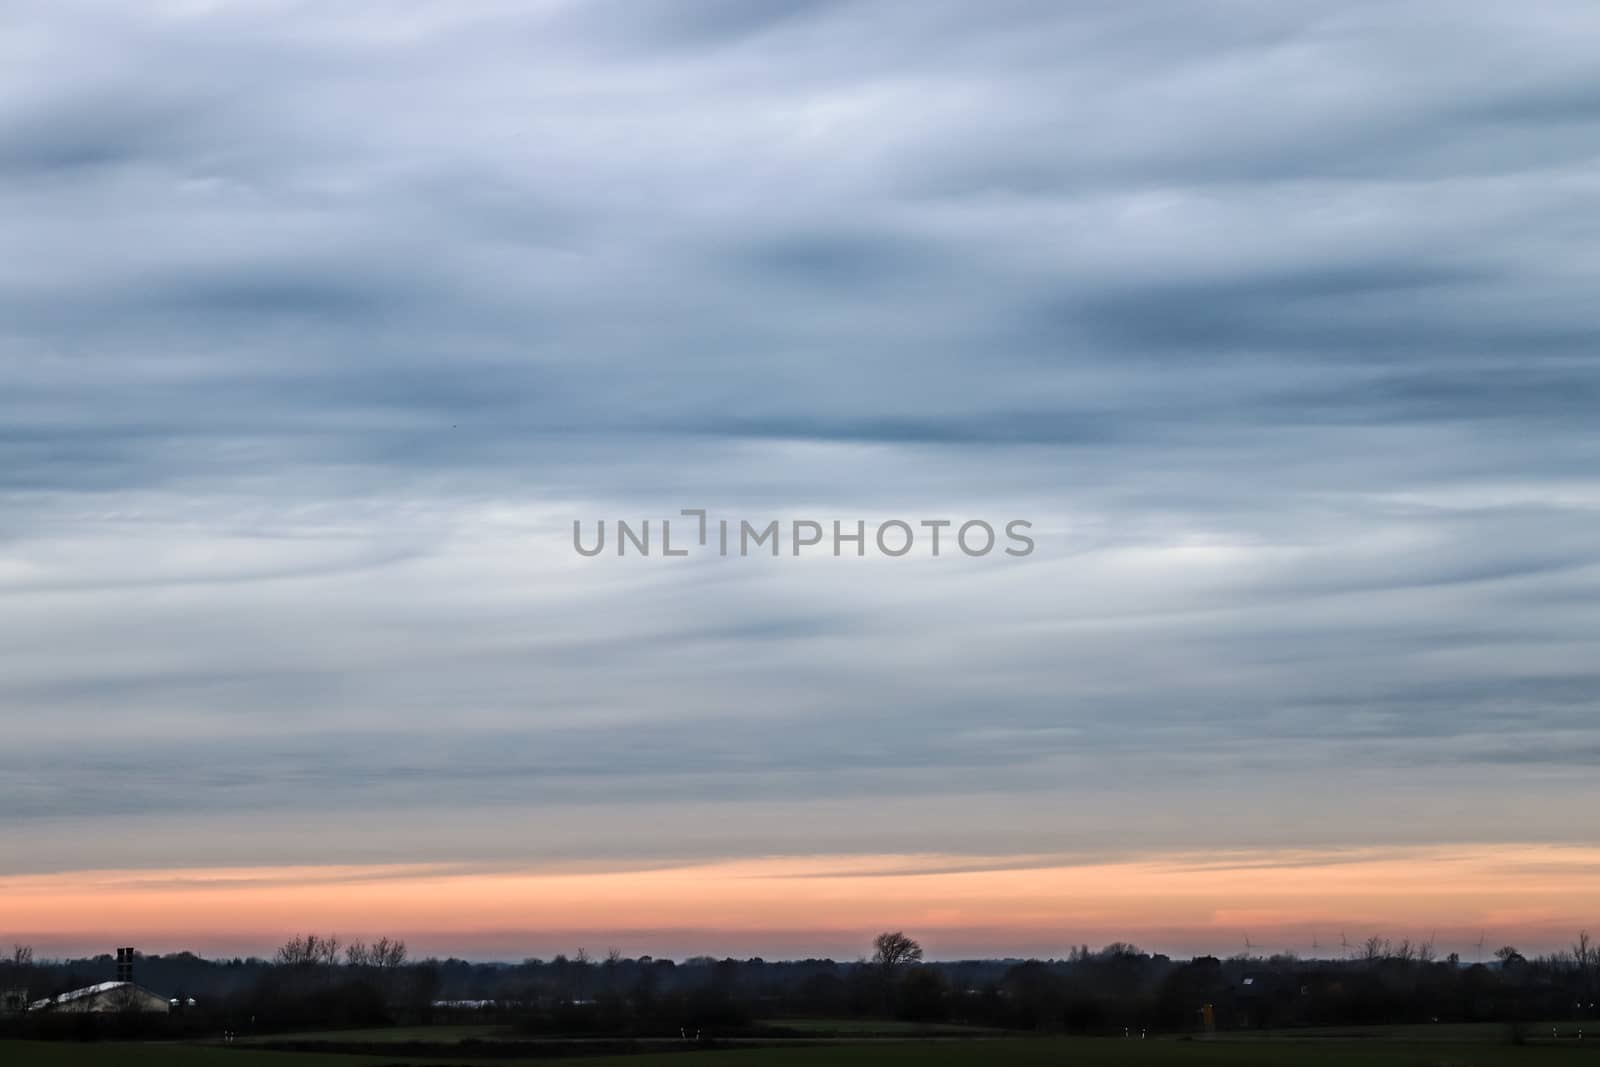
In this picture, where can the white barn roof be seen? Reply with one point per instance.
(87, 992)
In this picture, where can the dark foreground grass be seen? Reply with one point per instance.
(155, 1054)
(391, 1035)
(1087, 1052)
(1023, 1052)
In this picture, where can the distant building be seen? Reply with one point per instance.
(108, 997)
(104, 997)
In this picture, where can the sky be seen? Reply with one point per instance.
(320, 325)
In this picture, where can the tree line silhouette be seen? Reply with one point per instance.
(317, 981)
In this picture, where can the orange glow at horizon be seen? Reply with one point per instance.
(1173, 898)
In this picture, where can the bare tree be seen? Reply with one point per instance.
(388, 953)
(1583, 952)
(892, 950)
(22, 955)
(1374, 949)
(296, 952)
(310, 949)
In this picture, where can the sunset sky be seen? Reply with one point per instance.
(320, 324)
(1260, 901)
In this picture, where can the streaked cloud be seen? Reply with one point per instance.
(322, 323)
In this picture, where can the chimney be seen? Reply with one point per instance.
(124, 964)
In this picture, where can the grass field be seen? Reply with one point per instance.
(393, 1035)
(128, 1054)
(1427, 1033)
(1085, 1052)
(875, 1026)
(809, 1027)
(1379, 1047)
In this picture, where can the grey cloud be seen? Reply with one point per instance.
(321, 325)
(1386, 312)
(996, 428)
(695, 24)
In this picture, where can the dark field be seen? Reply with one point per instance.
(1439, 1046)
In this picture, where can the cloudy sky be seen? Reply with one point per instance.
(321, 323)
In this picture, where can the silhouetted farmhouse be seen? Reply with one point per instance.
(121, 995)
(104, 997)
